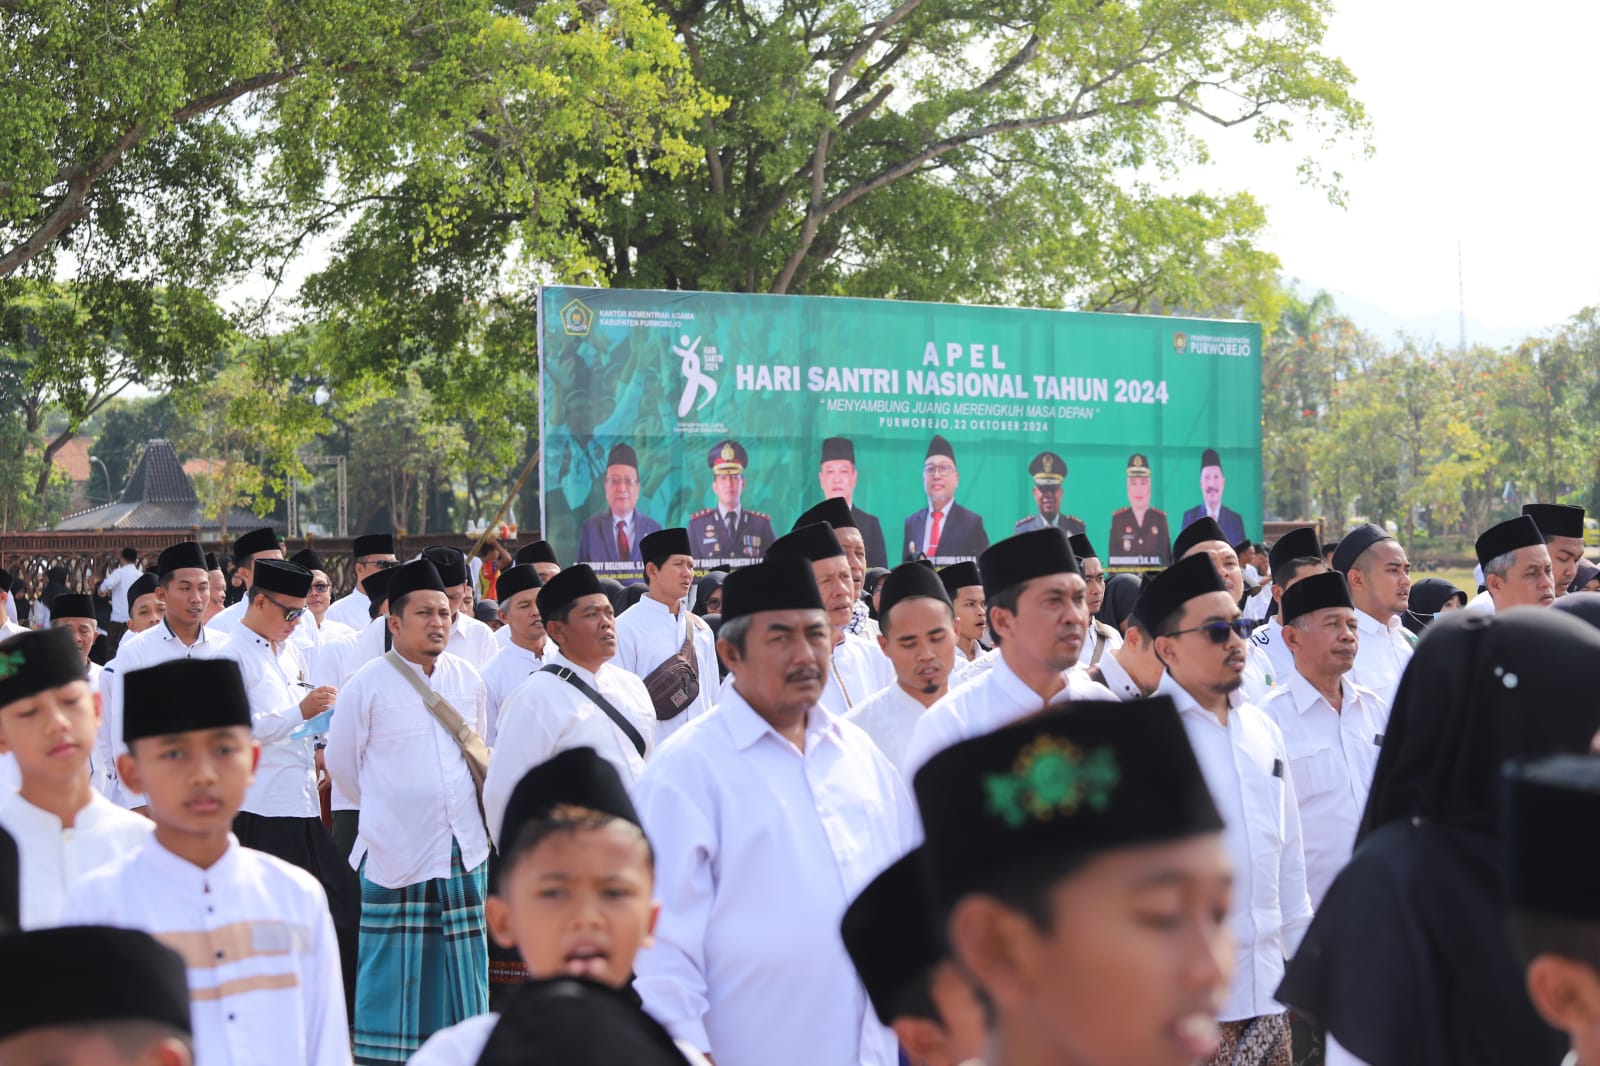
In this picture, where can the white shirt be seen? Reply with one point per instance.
(1092, 638)
(473, 641)
(889, 716)
(648, 634)
(158, 644)
(230, 616)
(759, 849)
(354, 610)
(463, 1043)
(858, 668)
(1261, 830)
(348, 656)
(1118, 680)
(546, 715)
(1482, 602)
(504, 674)
(319, 646)
(1259, 676)
(286, 777)
(927, 529)
(1332, 755)
(502, 636)
(1381, 656)
(394, 762)
(263, 962)
(1269, 639)
(53, 859)
(116, 586)
(997, 697)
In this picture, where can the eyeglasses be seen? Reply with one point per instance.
(1220, 631)
(386, 564)
(290, 614)
(622, 482)
(939, 469)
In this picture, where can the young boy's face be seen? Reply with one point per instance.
(51, 732)
(1133, 968)
(579, 904)
(197, 780)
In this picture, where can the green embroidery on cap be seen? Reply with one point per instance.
(10, 663)
(1052, 776)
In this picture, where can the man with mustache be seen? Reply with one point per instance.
(1201, 637)
(1038, 613)
(768, 815)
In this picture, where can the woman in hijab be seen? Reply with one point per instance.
(1587, 578)
(1122, 592)
(55, 585)
(708, 593)
(1430, 597)
(1407, 962)
(614, 592)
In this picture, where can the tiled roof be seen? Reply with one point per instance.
(159, 495)
(159, 477)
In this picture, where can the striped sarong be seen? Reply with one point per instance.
(424, 961)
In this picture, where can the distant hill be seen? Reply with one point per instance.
(1442, 327)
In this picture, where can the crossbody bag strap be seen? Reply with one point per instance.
(616, 716)
(473, 749)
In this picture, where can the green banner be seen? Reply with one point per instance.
(949, 427)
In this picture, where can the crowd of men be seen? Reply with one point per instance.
(809, 813)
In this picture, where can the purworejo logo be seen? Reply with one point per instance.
(1198, 344)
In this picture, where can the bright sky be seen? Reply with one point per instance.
(1485, 133)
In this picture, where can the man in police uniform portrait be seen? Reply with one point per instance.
(1138, 531)
(838, 478)
(1049, 470)
(729, 530)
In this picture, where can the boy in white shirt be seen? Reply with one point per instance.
(254, 931)
(575, 891)
(63, 828)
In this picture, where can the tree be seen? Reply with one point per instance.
(162, 140)
(72, 349)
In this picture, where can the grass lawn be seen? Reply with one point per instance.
(1461, 579)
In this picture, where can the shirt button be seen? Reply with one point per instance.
(230, 1017)
(220, 954)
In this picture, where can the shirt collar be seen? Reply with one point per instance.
(1306, 696)
(1187, 704)
(1118, 679)
(626, 519)
(1017, 689)
(746, 727)
(945, 510)
(724, 515)
(653, 605)
(168, 633)
(553, 657)
(181, 869)
(1365, 623)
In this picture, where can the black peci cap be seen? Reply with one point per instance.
(1037, 553)
(519, 578)
(661, 545)
(373, 544)
(573, 583)
(1314, 593)
(1508, 536)
(134, 979)
(908, 581)
(1556, 519)
(450, 562)
(833, 511)
(1201, 530)
(181, 696)
(782, 584)
(890, 932)
(812, 543)
(1168, 591)
(1355, 544)
(37, 660)
(264, 539)
(1059, 786)
(185, 555)
(271, 575)
(1298, 543)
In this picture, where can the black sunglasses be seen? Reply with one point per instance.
(290, 614)
(1219, 631)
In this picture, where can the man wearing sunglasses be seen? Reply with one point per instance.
(1201, 637)
(255, 546)
(1204, 535)
(282, 813)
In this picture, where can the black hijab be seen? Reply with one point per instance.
(1428, 598)
(1407, 962)
(706, 586)
(1122, 592)
(55, 585)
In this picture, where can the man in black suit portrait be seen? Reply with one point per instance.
(1211, 486)
(944, 531)
(838, 477)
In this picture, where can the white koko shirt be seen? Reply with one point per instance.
(52, 859)
(264, 980)
(1246, 767)
(648, 634)
(1381, 657)
(889, 716)
(546, 715)
(759, 848)
(504, 674)
(396, 764)
(286, 777)
(1332, 756)
(994, 698)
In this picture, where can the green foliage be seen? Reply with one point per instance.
(1424, 437)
